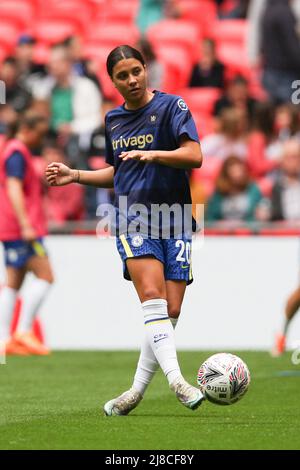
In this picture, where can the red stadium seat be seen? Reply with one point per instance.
(109, 91)
(52, 31)
(175, 32)
(228, 5)
(171, 76)
(96, 51)
(210, 169)
(70, 11)
(19, 12)
(235, 59)
(124, 11)
(207, 175)
(92, 5)
(204, 123)
(114, 34)
(201, 100)
(201, 12)
(8, 36)
(265, 185)
(230, 31)
(175, 57)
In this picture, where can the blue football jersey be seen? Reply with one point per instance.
(156, 126)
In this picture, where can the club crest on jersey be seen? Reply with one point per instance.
(182, 105)
(137, 241)
(153, 118)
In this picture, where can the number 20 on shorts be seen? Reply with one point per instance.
(184, 255)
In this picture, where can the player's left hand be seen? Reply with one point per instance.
(146, 156)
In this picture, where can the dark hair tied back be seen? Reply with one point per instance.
(121, 53)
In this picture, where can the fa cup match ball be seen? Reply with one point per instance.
(224, 378)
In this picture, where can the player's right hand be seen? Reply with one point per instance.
(28, 233)
(58, 174)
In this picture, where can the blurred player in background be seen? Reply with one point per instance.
(286, 206)
(22, 227)
(291, 308)
(151, 141)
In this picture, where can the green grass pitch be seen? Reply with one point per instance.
(56, 402)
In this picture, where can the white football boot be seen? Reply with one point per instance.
(189, 396)
(123, 404)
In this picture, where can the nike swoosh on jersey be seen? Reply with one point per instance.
(115, 127)
(185, 267)
(159, 339)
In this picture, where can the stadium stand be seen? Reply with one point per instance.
(201, 99)
(176, 32)
(230, 31)
(113, 34)
(8, 36)
(104, 24)
(201, 12)
(18, 12)
(177, 63)
(70, 12)
(122, 12)
(50, 31)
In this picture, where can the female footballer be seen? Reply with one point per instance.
(151, 140)
(22, 227)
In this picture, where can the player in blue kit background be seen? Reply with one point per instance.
(151, 140)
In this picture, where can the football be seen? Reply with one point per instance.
(224, 378)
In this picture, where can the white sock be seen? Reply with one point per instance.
(32, 297)
(147, 365)
(160, 336)
(146, 368)
(8, 297)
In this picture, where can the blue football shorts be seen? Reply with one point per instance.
(18, 252)
(175, 254)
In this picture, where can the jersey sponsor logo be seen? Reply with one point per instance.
(139, 141)
(182, 105)
(137, 241)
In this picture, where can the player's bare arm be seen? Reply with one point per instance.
(187, 156)
(16, 195)
(58, 174)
